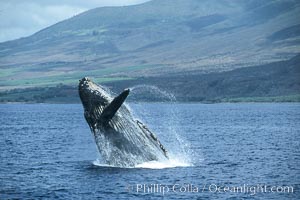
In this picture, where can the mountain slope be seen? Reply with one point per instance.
(154, 39)
(277, 81)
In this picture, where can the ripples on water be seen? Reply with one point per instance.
(47, 151)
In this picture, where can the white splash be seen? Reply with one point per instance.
(171, 163)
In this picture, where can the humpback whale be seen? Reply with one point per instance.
(121, 140)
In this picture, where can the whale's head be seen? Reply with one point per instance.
(92, 95)
(98, 104)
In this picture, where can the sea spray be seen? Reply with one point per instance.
(179, 149)
(156, 93)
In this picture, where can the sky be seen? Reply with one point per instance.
(21, 18)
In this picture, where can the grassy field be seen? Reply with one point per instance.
(274, 82)
(13, 78)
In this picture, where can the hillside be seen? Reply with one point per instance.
(154, 39)
(277, 82)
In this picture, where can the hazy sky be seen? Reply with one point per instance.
(20, 18)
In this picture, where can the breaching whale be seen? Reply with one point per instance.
(121, 140)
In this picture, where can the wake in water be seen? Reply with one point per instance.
(179, 149)
(171, 163)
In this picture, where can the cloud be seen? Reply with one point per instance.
(23, 18)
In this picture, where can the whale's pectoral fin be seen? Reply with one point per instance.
(110, 110)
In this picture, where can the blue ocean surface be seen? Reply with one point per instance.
(218, 151)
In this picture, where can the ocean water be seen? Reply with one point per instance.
(218, 151)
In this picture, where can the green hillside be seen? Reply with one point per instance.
(274, 82)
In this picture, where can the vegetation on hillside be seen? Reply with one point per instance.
(274, 82)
